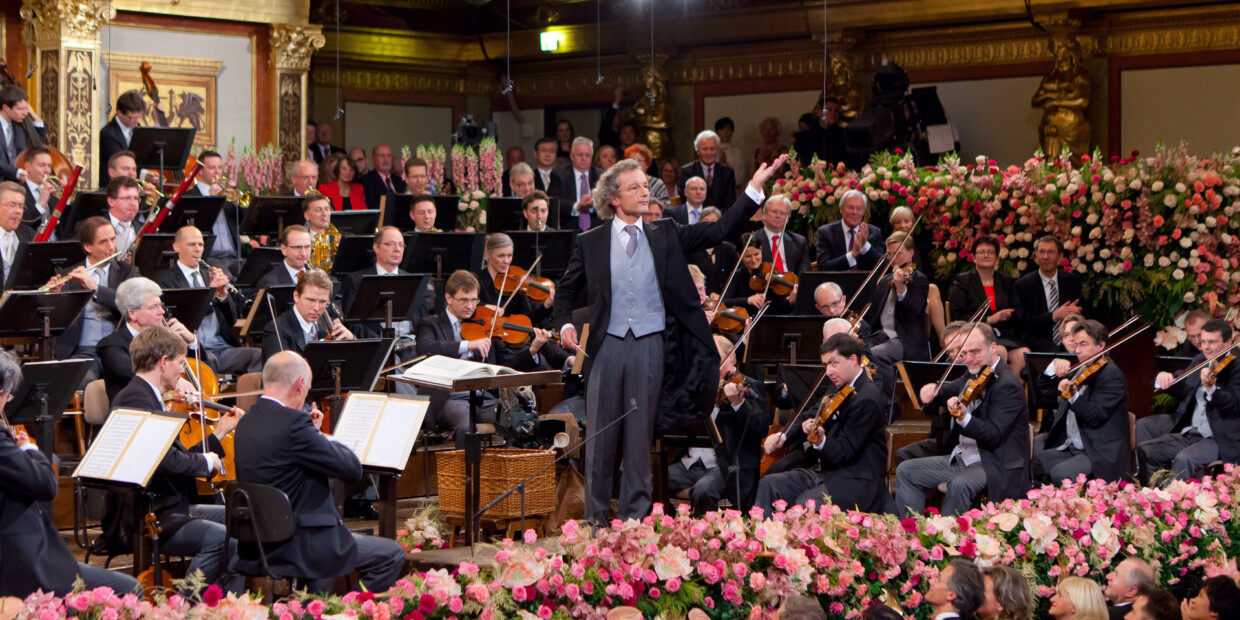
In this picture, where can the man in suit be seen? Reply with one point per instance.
(690, 211)
(851, 448)
(13, 233)
(124, 198)
(1045, 297)
(1192, 329)
(303, 176)
(34, 552)
(440, 334)
(521, 180)
(643, 305)
(422, 213)
(305, 321)
(279, 444)
(957, 591)
(989, 439)
(389, 246)
(578, 210)
(380, 181)
(226, 250)
(295, 246)
(358, 157)
(1206, 426)
(323, 147)
(1090, 432)
(14, 109)
(222, 349)
(418, 177)
(535, 209)
(545, 179)
(114, 137)
(98, 238)
(1124, 583)
(139, 302)
(784, 249)
(37, 188)
(898, 309)
(188, 530)
(830, 301)
(850, 243)
(720, 178)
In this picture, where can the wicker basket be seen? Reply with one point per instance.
(500, 471)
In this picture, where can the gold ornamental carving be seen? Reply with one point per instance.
(843, 84)
(1063, 96)
(653, 109)
(394, 80)
(292, 46)
(49, 93)
(79, 108)
(289, 104)
(57, 20)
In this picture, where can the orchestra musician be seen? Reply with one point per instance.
(1090, 432)
(40, 197)
(226, 250)
(279, 444)
(295, 246)
(303, 175)
(521, 181)
(14, 109)
(317, 210)
(124, 199)
(849, 461)
(417, 177)
(189, 530)
(422, 211)
(1045, 297)
(989, 440)
(899, 306)
(307, 320)
(389, 246)
(114, 137)
(951, 340)
(138, 299)
(830, 301)
(13, 233)
(535, 208)
(498, 257)
(741, 292)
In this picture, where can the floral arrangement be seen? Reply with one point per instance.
(422, 531)
(257, 172)
(434, 156)
(727, 565)
(476, 173)
(1130, 226)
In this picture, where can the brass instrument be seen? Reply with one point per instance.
(232, 193)
(62, 279)
(58, 187)
(323, 248)
(146, 194)
(313, 191)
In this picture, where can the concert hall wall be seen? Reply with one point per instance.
(1203, 112)
(367, 124)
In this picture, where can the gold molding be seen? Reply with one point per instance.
(60, 21)
(291, 46)
(260, 11)
(120, 61)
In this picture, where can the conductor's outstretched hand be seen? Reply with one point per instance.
(765, 172)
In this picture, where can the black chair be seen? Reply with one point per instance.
(259, 515)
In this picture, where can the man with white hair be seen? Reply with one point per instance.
(720, 178)
(850, 243)
(521, 180)
(577, 208)
(302, 177)
(139, 300)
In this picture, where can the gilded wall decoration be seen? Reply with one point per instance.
(291, 130)
(1063, 96)
(79, 142)
(187, 89)
(49, 93)
(56, 20)
(291, 46)
(653, 109)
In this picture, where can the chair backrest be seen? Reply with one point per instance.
(258, 513)
(249, 382)
(95, 402)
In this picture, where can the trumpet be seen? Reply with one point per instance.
(62, 279)
(232, 193)
(58, 187)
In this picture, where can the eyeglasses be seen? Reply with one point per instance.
(468, 301)
(393, 245)
(298, 247)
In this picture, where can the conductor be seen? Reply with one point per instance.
(650, 344)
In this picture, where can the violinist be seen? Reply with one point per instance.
(139, 302)
(498, 258)
(831, 301)
(989, 439)
(899, 306)
(883, 375)
(950, 340)
(1206, 424)
(848, 442)
(785, 250)
(741, 292)
(1090, 432)
(307, 321)
(701, 474)
(188, 530)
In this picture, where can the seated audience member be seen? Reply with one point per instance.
(535, 209)
(985, 284)
(770, 130)
(423, 213)
(831, 301)
(1045, 297)
(381, 180)
(307, 321)
(1089, 434)
(281, 445)
(521, 180)
(13, 233)
(1206, 425)
(35, 554)
(303, 176)
(644, 156)
(327, 170)
(690, 211)
(957, 591)
(898, 309)
(418, 178)
(850, 243)
(295, 246)
(345, 192)
(577, 210)
(716, 263)
(357, 157)
(988, 442)
(605, 157)
(1219, 598)
(222, 349)
(1153, 604)
(1007, 595)
(654, 212)
(1192, 327)
(1125, 584)
(785, 250)
(1077, 598)
(139, 302)
(850, 447)
(705, 475)
(545, 179)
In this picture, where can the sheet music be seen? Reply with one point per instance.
(396, 432)
(108, 447)
(130, 447)
(357, 421)
(145, 452)
(443, 370)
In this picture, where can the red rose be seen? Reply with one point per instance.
(212, 595)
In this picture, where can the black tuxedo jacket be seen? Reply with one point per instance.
(8, 169)
(32, 553)
(291, 337)
(551, 190)
(1036, 321)
(113, 352)
(740, 433)
(25, 235)
(375, 189)
(225, 310)
(276, 276)
(722, 190)
(854, 458)
(796, 250)
(105, 296)
(1000, 425)
(564, 185)
(279, 446)
(692, 377)
(31, 216)
(910, 315)
(1102, 417)
(1222, 408)
(348, 289)
(832, 247)
(111, 142)
(967, 295)
(316, 150)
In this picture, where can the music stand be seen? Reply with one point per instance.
(270, 215)
(34, 314)
(188, 305)
(340, 366)
(43, 396)
(445, 212)
(1172, 364)
(386, 299)
(197, 211)
(155, 254)
(280, 298)
(916, 374)
(87, 204)
(360, 222)
(556, 248)
(505, 214)
(257, 265)
(440, 254)
(395, 210)
(36, 263)
(790, 339)
(849, 281)
(162, 148)
(354, 253)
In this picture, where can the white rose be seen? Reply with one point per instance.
(1003, 252)
(1081, 268)
(1156, 187)
(1178, 274)
(482, 218)
(951, 257)
(1022, 253)
(1179, 188)
(1193, 262)
(1211, 221)
(1163, 261)
(1098, 266)
(1024, 264)
(1182, 263)
(479, 194)
(1105, 253)
(1129, 233)
(1091, 219)
(1169, 200)
(1095, 233)
(1175, 255)
(1185, 242)
(1136, 184)
(1076, 231)
(1149, 260)
(1189, 297)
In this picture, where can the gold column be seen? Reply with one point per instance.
(291, 47)
(67, 60)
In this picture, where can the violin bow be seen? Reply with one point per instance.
(1124, 326)
(972, 326)
(857, 293)
(744, 337)
(1099, 354)
(500, 298)
(728, 284)
(1203, 363)
(979, 311)
(801, 410)
(524, 278)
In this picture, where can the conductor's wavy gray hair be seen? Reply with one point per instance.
(10, 372)
(609, 185)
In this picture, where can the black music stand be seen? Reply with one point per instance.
(197, 211)
(43, 396)
(505, 214)
(162, 148)
(354, 253)
(916, 374)
(800, 380)
(36, 263)
(1172, 364)
(789, 339)
(155, 254)
(188, 305)
(257, 264)
(340, 366)
(34, 314)
(270, 215)
(439, 254)
(360, 222)
(395, 210)
(555, 246)
(274, 300)
(849, 281)
(386, 299)
(446, 208)
(87, 204)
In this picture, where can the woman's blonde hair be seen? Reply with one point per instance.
(1086, 596)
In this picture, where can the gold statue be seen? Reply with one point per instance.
(844, 86)
(652, 115)
(1063, 96)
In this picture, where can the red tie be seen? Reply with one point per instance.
(776, 261)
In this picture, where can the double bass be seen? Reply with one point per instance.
(62, 167)
(171, 177)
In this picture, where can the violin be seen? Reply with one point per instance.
(830, 405)
(734, 378)
(515, 330)
(516, 281)
(153, 578)
(780, 282)
(972, 392)
(868, 366)
(1218, 366)
(1088, 371)
(906, 270)
(728, 319)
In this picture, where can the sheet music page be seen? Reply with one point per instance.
(107, 448)
(396, 432)
(147, 449)
(442, 370)
(357, 421)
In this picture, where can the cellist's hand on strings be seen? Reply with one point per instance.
(773, 443)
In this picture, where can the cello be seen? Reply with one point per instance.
(62, 166)
(171, 177)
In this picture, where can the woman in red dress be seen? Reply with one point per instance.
(344, 190)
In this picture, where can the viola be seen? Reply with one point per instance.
(1088, 371)
(869, 367)
(734, 378)
(728, 319)
(515, 281)
(515, 330)
(1221, 363)
(830, 405)
(781, 282)
(972, 392)
(906, 270)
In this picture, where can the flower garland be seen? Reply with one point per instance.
(729, 565)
